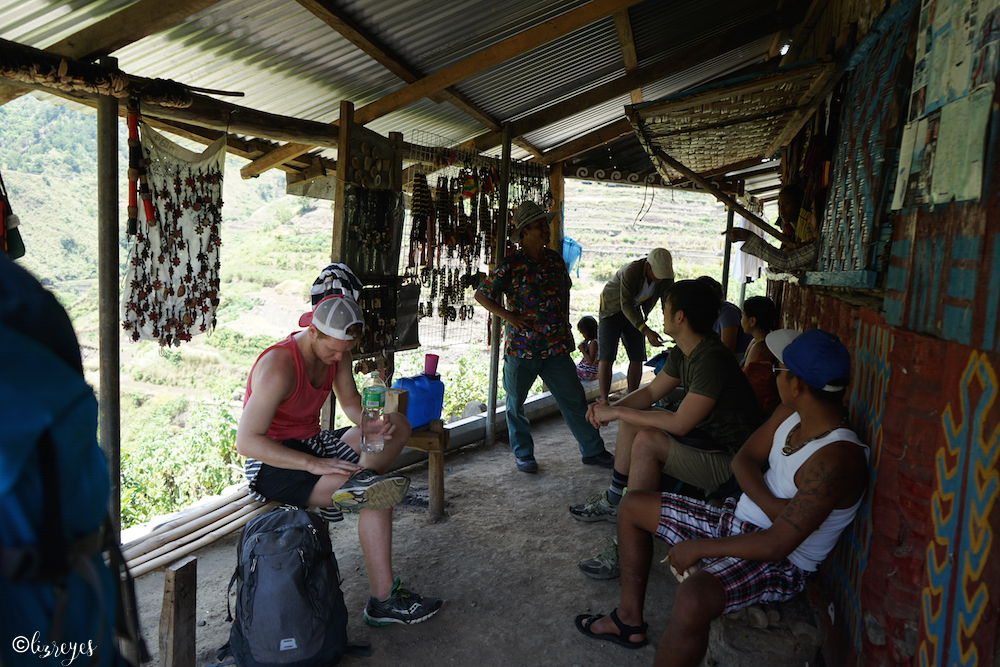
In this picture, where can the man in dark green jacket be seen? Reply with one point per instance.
(626, 302)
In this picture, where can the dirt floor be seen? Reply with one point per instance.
(504, 561)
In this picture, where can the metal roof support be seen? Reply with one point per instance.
(495, 337)
(107, 286)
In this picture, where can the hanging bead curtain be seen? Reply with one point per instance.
(172, 285)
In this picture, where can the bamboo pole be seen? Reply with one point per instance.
(211, 506)
(184, 550)
(183, 539)
(155, 541)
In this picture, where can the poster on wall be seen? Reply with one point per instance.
(916, 190)
(958, 170)
(905, 160)
(956, 64)
(984, 41)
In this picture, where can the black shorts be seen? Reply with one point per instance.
(293, 487)
(616, 327)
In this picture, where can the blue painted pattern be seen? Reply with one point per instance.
(966, 488)
(858, 191)
(871, 383)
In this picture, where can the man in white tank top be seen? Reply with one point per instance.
(763, 548)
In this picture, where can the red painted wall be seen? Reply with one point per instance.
(919, 581)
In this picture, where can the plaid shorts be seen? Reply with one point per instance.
(746, 582)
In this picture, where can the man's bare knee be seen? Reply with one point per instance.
(651, 443)
(699, 600)
(640, 509)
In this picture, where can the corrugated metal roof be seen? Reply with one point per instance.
(289, 62)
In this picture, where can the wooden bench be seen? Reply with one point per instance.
(431, 439)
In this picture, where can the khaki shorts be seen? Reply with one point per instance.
(697, 467)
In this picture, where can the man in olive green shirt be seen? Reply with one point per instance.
(626, 302)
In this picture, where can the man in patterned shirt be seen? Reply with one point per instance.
(538, 336)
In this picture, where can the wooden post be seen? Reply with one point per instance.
(495, 342)
(107, 286)
(727, 255)
(435, 472)
(557, 186)
(343, 164)
(177, 618)
(328, 413)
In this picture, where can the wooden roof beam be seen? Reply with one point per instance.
(805, 30)
(492, 56)
(623, 26)
(276, 157)
(207, 112)
(675, 64)
(355, 33)
(249, 149)
(120, 29)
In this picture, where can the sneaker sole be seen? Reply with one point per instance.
(382, 622)
(382, 495)
(613, 574)
(613, 518)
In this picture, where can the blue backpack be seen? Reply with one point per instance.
(61, 603)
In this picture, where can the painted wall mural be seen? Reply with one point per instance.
(957, 598)
(848, 562)
(947, 285)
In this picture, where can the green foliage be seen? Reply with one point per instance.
(173, 454)
(234, 342)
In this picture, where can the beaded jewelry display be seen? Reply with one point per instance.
(172, 289)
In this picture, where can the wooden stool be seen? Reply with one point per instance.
(432, 439)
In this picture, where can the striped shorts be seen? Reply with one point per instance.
(746, 582)
(294, 486)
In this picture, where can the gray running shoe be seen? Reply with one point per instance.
(402, 606)
(605, 564)
(366, 489)
(597, 508)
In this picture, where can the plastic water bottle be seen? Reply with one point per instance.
(372, 414)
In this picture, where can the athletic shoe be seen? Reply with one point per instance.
(597, 508)
(526, 463)
(401, 607)
(605, 564)
(366, 489)
(605, 460)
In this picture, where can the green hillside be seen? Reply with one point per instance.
(179, 405)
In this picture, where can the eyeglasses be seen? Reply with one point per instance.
(777, 369)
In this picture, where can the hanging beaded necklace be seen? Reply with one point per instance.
(788, 450)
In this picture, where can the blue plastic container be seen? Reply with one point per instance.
(425, 398)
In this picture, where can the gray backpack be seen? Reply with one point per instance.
(289, 607)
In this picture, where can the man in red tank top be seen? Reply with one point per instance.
(291, 460)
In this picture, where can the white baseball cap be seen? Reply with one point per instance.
(334, 315)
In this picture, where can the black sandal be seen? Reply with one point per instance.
(584, 621)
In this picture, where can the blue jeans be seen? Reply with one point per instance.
(559, 375)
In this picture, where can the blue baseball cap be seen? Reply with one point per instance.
(816, 357)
